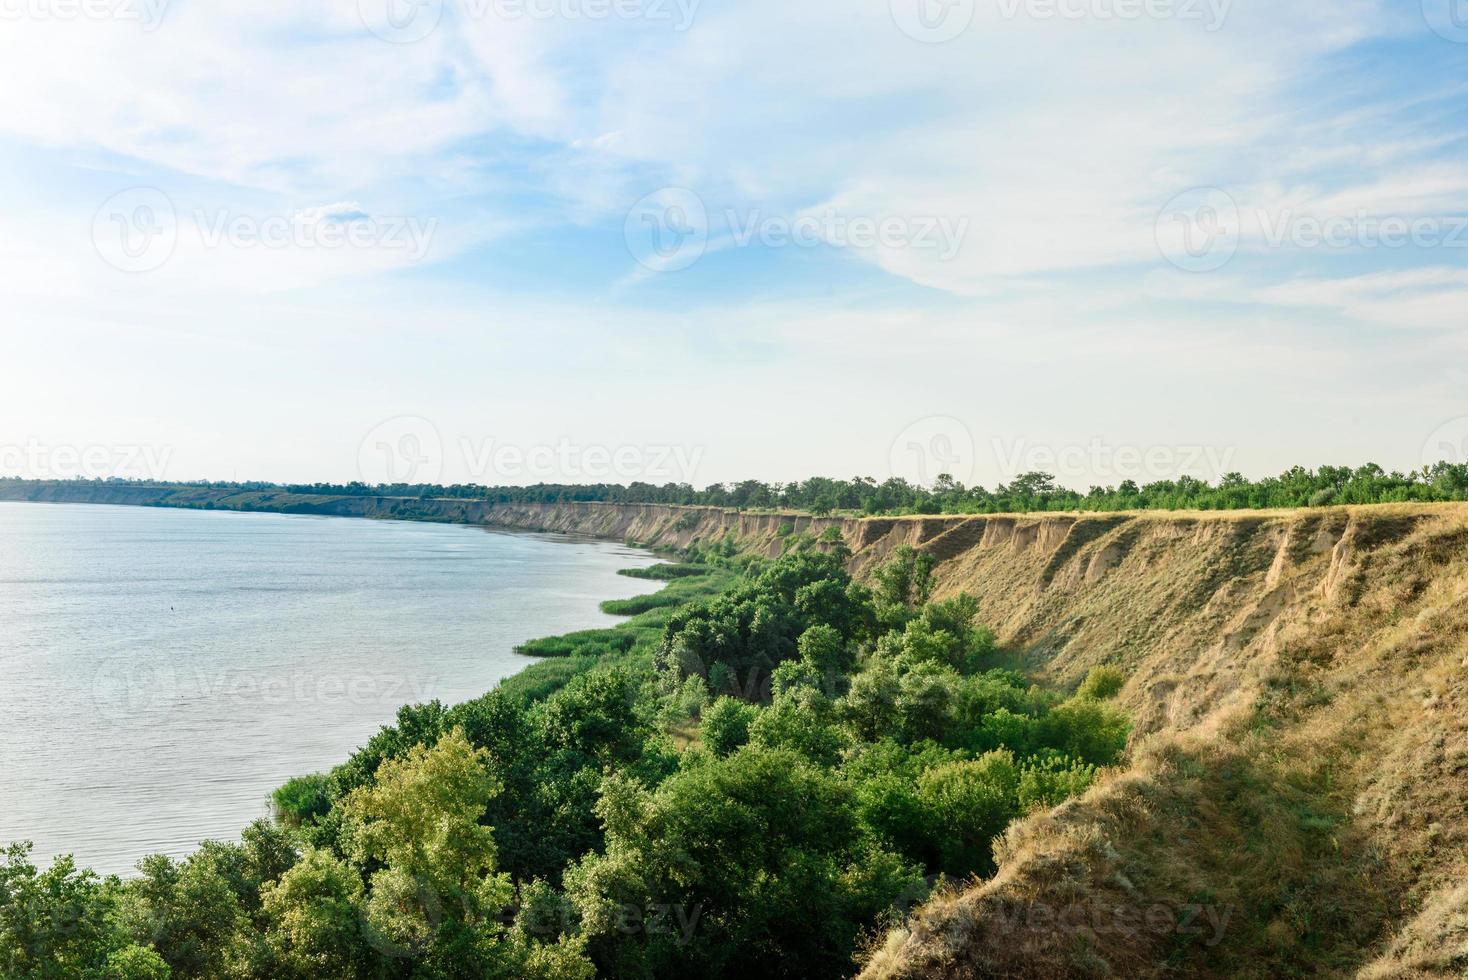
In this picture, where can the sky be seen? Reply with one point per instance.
(514, 241)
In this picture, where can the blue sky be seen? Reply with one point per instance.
(1129, 238)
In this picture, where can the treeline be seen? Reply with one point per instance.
(780, 771)
(1296, 487)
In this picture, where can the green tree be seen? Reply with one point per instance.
(760, 852)
(438, 882)
(54, 924)
(725, 725)
(970, 803)
(315, 914)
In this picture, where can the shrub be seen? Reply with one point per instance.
(970, 803)
(1086, 729)
(665, 572)
(1102, 684)
(302, 800)
(1051, 781)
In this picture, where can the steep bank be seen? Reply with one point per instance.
(1296, 799)
(1300, 773)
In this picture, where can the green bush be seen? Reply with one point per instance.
(969, 804)
(1052, 781)
(302, 800)
(665, 572)
(1086, 729)
(587, 643)
(640, 604)
(1102, 684)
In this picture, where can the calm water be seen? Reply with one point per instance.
(161, 671)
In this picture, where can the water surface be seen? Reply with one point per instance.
(161, 671)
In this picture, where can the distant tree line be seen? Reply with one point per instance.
(1296, 487)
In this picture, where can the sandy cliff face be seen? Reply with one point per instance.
(1301, 765)
(1296, 801)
